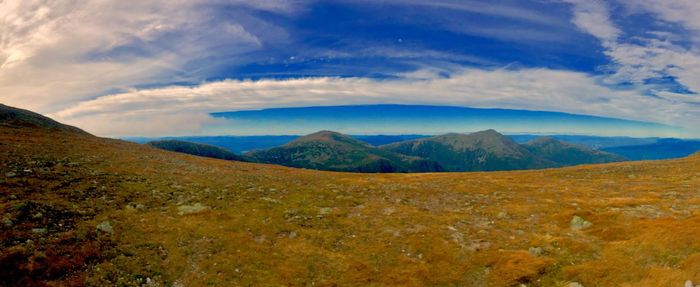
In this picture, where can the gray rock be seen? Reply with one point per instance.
(688, 283)
(575, 284)
(324, 211)
(191, 209)
(270, 200)
(137, 207)
(579, 223)
(10, 174)
(260, 239)
(39, 230)
(535, 251)
(105, 227)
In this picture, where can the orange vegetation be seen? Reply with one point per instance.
(180, 220)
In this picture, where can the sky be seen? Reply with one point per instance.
(161, 67)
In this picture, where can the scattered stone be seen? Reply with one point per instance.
(260, 239)
(457, 237)
(7, 222)
(137, 207)
(150, 282)
(10, 174)
(579, 223)
(105, 227)
(535, 251)
(478, 245)
(191, 209)
(39, 230)
(292, 235)
(502, 215)
(575, 284)
(388, 211)
(324, 211)
(688, 283)
(271, 200)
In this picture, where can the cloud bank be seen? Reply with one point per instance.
(185, 108)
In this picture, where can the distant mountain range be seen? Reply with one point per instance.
(662, 149)
(629, 147)
(566, 154)
(197, 149)
(594, 142)
(244, 144)
(333, 151)
(480, 151)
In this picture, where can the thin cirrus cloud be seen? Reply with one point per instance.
(54, 54)
(160, 67)
(642, 58)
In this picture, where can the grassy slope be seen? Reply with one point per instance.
(271, 226)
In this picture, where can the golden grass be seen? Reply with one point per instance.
(273, 226)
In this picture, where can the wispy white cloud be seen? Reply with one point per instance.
(56, 53)
(684, 12)
(507, 20)
(135, 112)
(503, 9)
(593, 17)
(655, 56)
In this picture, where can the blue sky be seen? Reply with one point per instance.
(161, 67)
